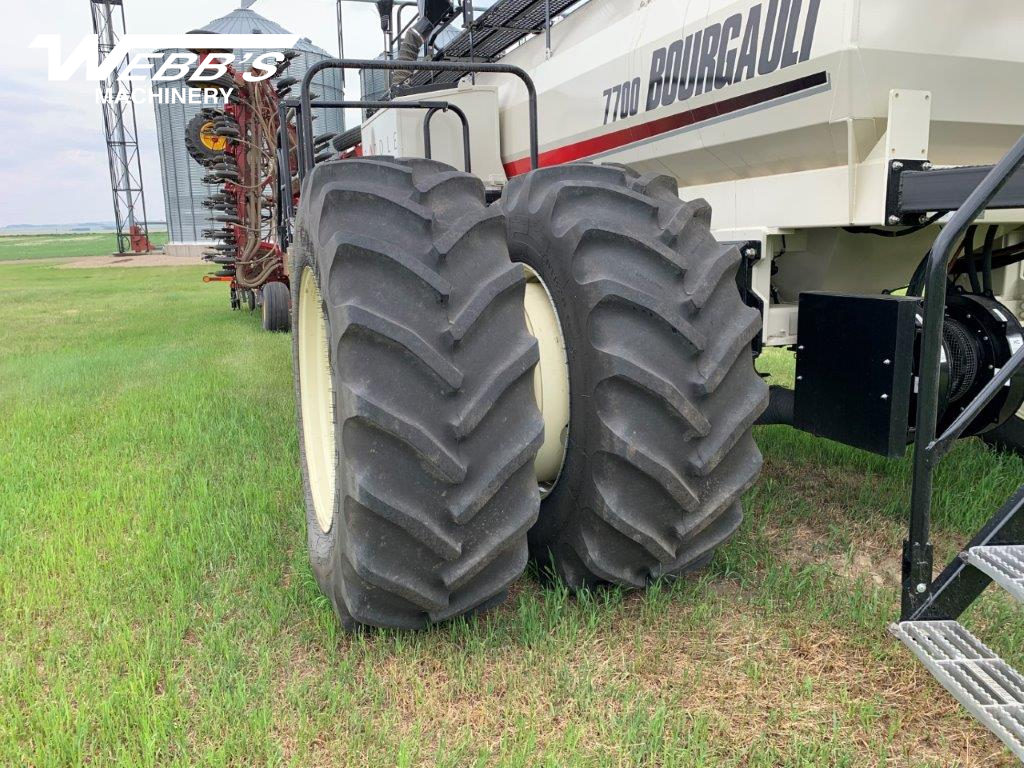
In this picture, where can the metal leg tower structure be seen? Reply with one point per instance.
(121, 131)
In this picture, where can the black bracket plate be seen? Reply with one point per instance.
(895, 213)
(854, 369)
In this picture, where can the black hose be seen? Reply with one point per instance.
(1001, 257)
(896, 232)
(986, 270)
(780, 407)
(972, 266)
(409, 47)
(917, 279)
(348, 139)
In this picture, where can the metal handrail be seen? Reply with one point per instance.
(305, 126)
(284, 168)
(431, 106)
(285, 210)
(465, 132)
(917, 565)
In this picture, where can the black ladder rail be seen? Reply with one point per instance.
(944, 442)
(917, 582)
(959, 583)
(284, 176)
(305, 125)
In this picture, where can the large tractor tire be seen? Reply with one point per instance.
(414, 379)
(663, 391)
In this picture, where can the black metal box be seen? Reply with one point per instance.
(854, 369)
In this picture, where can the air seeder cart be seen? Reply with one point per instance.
(553, 356)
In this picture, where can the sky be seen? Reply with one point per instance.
(53, 165)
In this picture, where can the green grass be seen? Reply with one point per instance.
(19, 247)
(157, 608)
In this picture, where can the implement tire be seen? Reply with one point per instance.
(417, 510)
(275, 309)
(201, 143)
(663, 391)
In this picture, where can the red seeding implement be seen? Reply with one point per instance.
(237, 145)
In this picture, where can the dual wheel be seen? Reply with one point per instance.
(565, 374)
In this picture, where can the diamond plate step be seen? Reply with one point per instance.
(1005, 564)
(987, 687)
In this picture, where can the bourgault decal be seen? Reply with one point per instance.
(771, 35)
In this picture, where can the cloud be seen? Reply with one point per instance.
(53, 159)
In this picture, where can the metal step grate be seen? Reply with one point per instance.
(1005, 564)
(987, 687)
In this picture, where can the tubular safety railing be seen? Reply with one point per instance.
(285, 209)
(305, 125)
(918, 587)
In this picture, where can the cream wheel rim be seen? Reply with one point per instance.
(550, 379)
(317, 399)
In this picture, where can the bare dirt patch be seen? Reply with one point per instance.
(848, 532)
(143, 260)
(49, 260)
(874, 558)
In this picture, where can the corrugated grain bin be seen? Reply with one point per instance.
(182, 177)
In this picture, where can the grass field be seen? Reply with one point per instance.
(20, 247)
(156, 606)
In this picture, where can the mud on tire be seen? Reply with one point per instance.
(663, 390)
(435, 423)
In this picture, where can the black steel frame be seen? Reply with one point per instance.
(750, 254)
(920, 595)
(917, 188)
(498, 29)
(432, 107)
